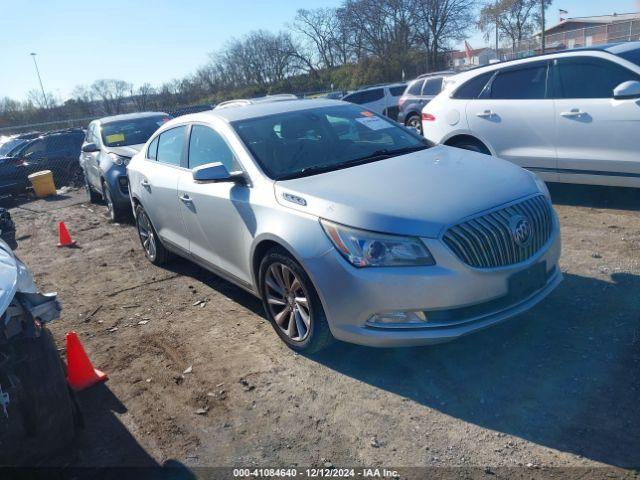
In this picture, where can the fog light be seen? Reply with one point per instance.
(388, 318)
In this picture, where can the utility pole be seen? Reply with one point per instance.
(542, 45)
(497, 33)
(44, 96)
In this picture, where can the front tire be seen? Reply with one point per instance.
(115, 213)
(94, 197)
(151, 244)
(292, 304)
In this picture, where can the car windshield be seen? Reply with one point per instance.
(131, 132)
(10, 147)
(307, 142)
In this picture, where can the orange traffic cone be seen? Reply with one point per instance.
(80, 371)
(65, 238)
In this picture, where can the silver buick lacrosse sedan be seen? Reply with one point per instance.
(346, 224)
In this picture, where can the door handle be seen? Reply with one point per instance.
(145, 183)
(575, 112)
(485, 114)
(185, 198)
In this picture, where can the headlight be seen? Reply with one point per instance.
(541, 186)
(119, 159)
(370, 249)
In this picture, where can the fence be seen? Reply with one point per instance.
(624, 31)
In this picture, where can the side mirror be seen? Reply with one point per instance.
(90, 148)
(215, 173)
(629, 89)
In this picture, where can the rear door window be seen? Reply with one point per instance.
(170, 146)
(522, 83)
(397, 91)
(432, 86)
(588, 77)
(415, 88)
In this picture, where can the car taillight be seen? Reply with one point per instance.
(401, 101)
(427, 117)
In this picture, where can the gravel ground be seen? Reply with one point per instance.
(198, 378)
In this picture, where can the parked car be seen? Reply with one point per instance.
(56, 151)
(13, 142)
(346, 224)
(382, 99)
(109, 144)
(570, 116)
(37, 413)
(418, 93)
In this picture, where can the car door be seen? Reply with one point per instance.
(218, 216)
(158, 185)
(515, 117)
(90, 160)
(596, 133)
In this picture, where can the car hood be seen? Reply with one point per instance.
(126, 151)
(415, 194)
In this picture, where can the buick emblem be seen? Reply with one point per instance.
(521, 230)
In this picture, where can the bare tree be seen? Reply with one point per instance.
(111, 93)
(443, 22)
(143, 96)
(516, 19)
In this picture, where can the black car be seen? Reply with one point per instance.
(419, 92)
(56, 151)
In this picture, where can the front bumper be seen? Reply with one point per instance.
(462, 299)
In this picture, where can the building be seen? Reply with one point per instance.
(585, 31)
(462, 59)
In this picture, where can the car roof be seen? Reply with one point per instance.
(253, 110)
(129, 116)
(613, 48)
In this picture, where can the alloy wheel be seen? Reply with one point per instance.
(147, 237)
(109, 200)
(416, 123)
(288, 302)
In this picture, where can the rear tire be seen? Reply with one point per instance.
(151, 244)
(414, 121)
(291, 303)
(472, 145)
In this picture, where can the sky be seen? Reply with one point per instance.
(153, 41)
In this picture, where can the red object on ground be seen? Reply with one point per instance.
(80, 371)
(65, 238)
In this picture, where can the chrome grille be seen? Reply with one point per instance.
(487, 241)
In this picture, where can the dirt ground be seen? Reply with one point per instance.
(198, 378)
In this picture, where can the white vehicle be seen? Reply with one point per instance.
(571, 116)
(382, 99)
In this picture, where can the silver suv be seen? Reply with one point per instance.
(346, 224)
(109, 144)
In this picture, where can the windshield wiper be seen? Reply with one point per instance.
(372, 157)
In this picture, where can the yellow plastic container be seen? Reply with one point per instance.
(43, 183)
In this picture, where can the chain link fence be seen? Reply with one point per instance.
(624, 31)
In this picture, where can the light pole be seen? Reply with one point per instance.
(44, 96)
(542, 45)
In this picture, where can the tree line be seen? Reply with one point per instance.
(360, 42)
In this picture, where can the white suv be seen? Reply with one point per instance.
(382, 99)
(571, 116)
